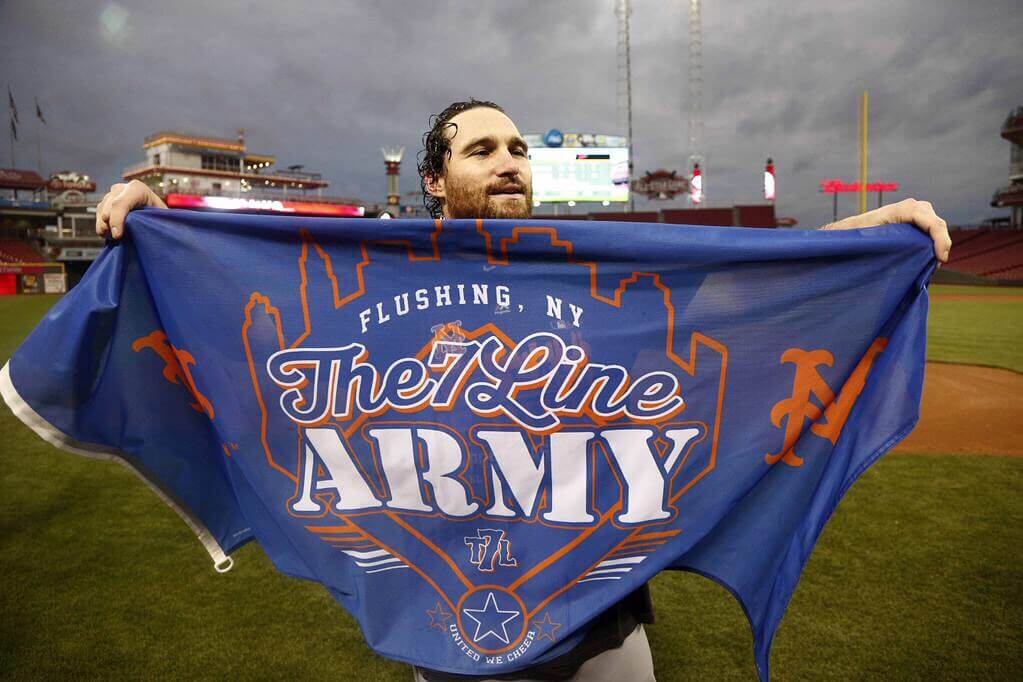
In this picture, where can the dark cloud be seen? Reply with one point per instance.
(328, 83)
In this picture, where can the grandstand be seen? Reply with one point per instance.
(18, 251)
(988, 253)
(24, 271)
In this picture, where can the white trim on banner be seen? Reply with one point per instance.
(45, 430)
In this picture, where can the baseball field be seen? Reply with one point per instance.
(919, 575)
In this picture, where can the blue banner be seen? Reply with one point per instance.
(479, 435)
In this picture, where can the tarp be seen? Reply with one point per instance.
(478, 435)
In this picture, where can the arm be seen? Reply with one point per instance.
(919, 213)
(123, 197)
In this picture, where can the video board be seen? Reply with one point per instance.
(580, 173)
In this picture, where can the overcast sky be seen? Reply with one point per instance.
(326, 84)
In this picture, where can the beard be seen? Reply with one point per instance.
(476, 201)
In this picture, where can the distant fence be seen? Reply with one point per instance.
(32, 278)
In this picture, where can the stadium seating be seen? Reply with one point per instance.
(994, 254)
(1013, 273)
(17, 251)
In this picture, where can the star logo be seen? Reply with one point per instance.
(491, 620)
(546, 628)
(439, 617)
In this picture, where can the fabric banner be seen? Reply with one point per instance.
(479, 435)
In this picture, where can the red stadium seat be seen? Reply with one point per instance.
(17, 251)
(996, 254)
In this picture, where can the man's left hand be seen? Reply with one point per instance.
(919, 213)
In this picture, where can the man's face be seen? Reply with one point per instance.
(488, 174)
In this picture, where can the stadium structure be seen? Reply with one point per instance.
(1011, 195)
(47, 226)
(203, 172)
(993, 251)
(47, 230)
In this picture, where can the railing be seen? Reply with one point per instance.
(292, 176)
(299, 175)
(1014, 191)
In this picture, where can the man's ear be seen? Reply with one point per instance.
(435, 186)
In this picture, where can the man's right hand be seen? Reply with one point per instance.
(123, 197)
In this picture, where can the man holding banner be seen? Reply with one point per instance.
(475, 166)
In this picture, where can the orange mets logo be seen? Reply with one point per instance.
(807, 385)
(177, 367)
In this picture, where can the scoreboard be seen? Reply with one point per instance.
(580, 173)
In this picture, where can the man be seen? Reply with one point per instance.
(475, 164)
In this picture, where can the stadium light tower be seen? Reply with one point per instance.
(392, 159)
(623, 8)
(696, 160)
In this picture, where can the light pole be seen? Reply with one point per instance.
(623, 9)
(392, 159)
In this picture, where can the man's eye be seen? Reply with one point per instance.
(519, 152)
(481, 152)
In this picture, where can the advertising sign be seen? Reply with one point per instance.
(217, 203)
(661, 184)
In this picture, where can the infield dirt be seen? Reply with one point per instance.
(969, 410)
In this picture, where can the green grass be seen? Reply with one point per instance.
(977, 332)
(918, 576)
(18, 315)
(970, 290)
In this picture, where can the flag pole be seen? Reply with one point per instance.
(12, 117)
(39, 144)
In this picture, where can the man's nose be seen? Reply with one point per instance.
(506, 165)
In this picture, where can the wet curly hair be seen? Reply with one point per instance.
(437, 148)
